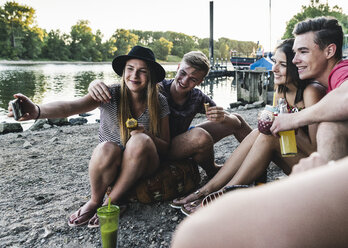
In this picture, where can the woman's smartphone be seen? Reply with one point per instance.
(16, 109)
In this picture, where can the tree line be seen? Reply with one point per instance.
(21, 38)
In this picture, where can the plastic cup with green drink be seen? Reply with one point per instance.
(108, 222)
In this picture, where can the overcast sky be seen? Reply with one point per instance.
(247, 20)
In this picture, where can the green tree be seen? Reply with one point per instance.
(144, 37)
(124, 41)
(83, 42)
(182, 43)
(315, 9)
(203, 44)
(55, 46)
(19, 37)
(223, 45)
(32, 43)
(98, 48)
(162, 48)
(108, 48)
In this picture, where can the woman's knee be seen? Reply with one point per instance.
(141, 154)
(140, 144)
(106, 154)
(267, 140)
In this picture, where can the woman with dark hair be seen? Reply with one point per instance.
(252, 157)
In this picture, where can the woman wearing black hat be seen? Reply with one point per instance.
(123, 155)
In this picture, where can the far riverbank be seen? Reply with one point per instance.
(38, 62)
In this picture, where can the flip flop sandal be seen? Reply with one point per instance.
(190, 208)
(213, 196)
(234, 187)
(93, 222)
(173, 204)
(76, 221)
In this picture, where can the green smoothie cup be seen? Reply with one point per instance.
(108, 222)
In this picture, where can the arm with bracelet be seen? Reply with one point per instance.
(58, 109)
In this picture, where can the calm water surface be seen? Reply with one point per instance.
(49, 82)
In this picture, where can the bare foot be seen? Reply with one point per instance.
(83, 214)
(179, 202)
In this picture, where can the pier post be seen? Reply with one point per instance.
(211, 40)
(252, 86)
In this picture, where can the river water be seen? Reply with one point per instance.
(46, 82)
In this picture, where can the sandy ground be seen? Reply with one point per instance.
(41, 185)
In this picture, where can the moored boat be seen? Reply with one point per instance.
(242, 61)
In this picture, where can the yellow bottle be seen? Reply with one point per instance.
(287, 139)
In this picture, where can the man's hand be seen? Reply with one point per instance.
(99, 91)
(283, 122)
(215, 113)
(313, 161)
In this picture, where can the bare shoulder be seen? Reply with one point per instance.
(314, 89)
(313, 93)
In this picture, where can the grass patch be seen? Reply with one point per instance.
(172, 58)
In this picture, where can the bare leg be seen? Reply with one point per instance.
(198, 144)
(300, 211)
(140, 159)
(332, 140)
(247, 163)
(233, 124)
(103, 168)
(227, 171)
(263, 151)
(232, 165)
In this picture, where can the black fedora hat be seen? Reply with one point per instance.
(143, 53)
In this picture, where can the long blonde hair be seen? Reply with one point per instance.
(124, 111)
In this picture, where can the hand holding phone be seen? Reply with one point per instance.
(16, 109)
